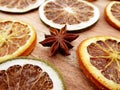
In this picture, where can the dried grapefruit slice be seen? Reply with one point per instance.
(29, 74)
(19, 6)
(16, 38)
(112, 14)
(76, 14)
(99, 58)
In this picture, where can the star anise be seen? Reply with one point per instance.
(59, 40)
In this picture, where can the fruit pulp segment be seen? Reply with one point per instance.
(13, 36)
(115, 9)
(27, 77)
(17, 3)
(68, 12)
(105, 56)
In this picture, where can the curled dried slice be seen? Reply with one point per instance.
(99, 58)
(76, 14)
(19, 6)
(29, 74)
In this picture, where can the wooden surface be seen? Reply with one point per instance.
(68, 65)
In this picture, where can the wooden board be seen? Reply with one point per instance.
(68, 65)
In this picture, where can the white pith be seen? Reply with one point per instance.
(69, 27)
(57, 83)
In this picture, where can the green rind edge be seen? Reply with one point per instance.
(46, 62)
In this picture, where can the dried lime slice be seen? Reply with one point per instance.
(22, 73)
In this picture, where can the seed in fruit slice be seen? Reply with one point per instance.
(76, 14)
(30, 74)
(99, 58)
(112, 14)
(16, 39)
(19, 6)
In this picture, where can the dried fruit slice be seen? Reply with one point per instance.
(3, 80)
(29, 74)
(99, 58)
(76, 14)
(91, 0)
(19, 6)
(16, 39)
(112, 14)
(13, 75)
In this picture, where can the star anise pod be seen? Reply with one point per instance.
(59, 40)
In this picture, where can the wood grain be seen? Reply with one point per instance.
(68, 65)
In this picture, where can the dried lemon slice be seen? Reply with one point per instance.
(99, 58)
(16, 38)
(112, 14)
(29, 74)
(76, 14)
(19, 6)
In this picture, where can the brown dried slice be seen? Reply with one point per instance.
(14, 76)
(4, 2)
(12, 3)
(3, 80)
(22, 4)
(99, 58)
(91, 0)
(76, 14)
(44, 82)
(112, 14)
(19, 6)
(29, 75)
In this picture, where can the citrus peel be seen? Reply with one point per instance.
(17, 38)
(99, 58)
(112, 14)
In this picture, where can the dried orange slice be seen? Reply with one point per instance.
(99, 58)
(112, 14)
(16, 38)
(19, 6)
(76, 14)
(29, 74)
